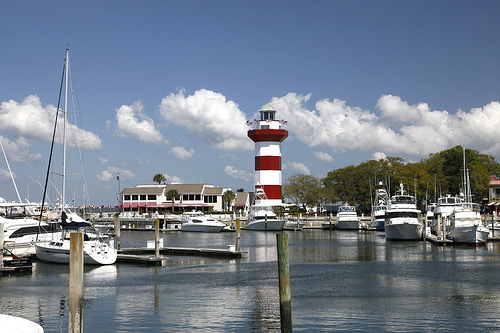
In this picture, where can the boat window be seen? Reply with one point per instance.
(403, 200)
(196, 221)
(27, 231)
(392, 215)
(450, 200)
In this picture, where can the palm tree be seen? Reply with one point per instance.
(172, 195)
(227, 198)
(159, 178)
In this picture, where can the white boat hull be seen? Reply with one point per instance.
(348, 225)
(94, 253)
(404, 230)
(197, 227)
(469, 234)
(272, 225)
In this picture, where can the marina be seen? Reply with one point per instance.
(341, 280)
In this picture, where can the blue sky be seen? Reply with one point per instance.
(166, 86)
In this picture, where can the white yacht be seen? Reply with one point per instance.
(261, 216)
(21, 234)
(444, 207)
(347, 218)
(199, 222)
(97, 249)
(402, 218)
(380, 205)
(465, 225)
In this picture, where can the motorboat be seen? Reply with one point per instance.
(347, 218)
(199, 222)
(11, 262)
(465, 225)
(21, 234)
(445, 206)
(98, 249)
(261, 215)
(379, 207)
(402, 218)
(465, 222)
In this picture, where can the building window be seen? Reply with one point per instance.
(126, 197)
(198, 197)
(135, 197)
(143, 197)
(185, 197)
(210, 199)
(151, 197)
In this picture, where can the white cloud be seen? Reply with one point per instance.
(402, 129)
(378, 156)
(30, 120)
(103, 161)
(173, 179)
(208, 116)
(300, 167)
(112, 172)
(5, 175)
(182, 153)
(19, 151)
(131, 120)
(240, 174)
(322, 156)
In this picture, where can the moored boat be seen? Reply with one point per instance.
(380, 205)
(347, 218)
(402, 218)
(466, 226)
(199, 222)
(261, 216)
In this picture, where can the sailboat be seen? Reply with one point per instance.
(97, 249)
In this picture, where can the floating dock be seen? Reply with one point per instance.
(438, 240)
(183, 251)
(141, 259)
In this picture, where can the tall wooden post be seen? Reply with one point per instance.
(76, 283)
(117, 232)
(266, 222)
(157, 238)
(238, 234)
(444, 228)
(284, 283)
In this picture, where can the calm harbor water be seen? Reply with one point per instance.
(340, 281)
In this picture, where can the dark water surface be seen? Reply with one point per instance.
(340, 281)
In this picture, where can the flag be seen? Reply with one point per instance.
(118, 176)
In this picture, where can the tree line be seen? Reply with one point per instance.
(439, 174)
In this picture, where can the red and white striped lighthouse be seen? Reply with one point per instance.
(268, 135)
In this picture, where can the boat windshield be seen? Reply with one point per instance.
(346, 209)
(403, 199)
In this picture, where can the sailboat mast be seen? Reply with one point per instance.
(63, 200)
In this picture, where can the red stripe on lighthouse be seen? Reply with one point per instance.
(273, 192)
(273, 135)
(267, 163)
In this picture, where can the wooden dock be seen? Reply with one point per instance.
(141, 259)
(438, 241)
(183, 251)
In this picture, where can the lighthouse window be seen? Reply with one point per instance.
(267, 115)
(264, 127)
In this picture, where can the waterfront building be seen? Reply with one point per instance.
(153, 198)
(267, 133)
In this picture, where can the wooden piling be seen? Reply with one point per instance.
(117, 232)
(284, 283)
(157, 238)
(444, 227)
(237, 234)
(266, 222)
(76, 283)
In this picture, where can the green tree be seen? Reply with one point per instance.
(159, 178)
(303, 190)
(172, 195)
(227, 199)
